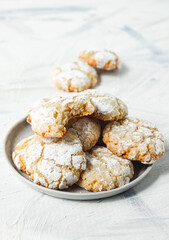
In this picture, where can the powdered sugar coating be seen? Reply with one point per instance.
(134, 139)
(55, 164)
(49, 117)
(31, 154)
(103, 59)
(107, 107)
(105, 171)
(87, 129)
(75, 77)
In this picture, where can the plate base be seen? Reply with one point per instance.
(22, 130)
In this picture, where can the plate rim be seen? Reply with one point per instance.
(61, 193)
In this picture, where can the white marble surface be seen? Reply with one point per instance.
(37, 35)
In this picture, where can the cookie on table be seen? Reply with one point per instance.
(104, 59)
(87, 129)
(107, 107)
(75, 76)
(51, 162)
(49, 117)
(105, 171)
(134, 139)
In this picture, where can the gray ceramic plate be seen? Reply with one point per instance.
(22, 129)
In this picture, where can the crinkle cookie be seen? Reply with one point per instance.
(75, 77)
(105, 171)
(87, 129)
(51, 162)
(134, 139)
(104, 59)
(49, 117)
(107, 107)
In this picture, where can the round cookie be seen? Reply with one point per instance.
(107, 107)
(75, 77)
(51, 162)
(134, 139)
(105, 171)
(104, 59)
(87, 129)
(49, 117)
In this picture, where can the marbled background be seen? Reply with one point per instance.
(35, 36)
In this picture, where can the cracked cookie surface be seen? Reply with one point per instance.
(105, 171)
(134, 139)
(107, 107)
(51, 162)
(104, 59)
(87, 129)
(49, 117)
(75, 77)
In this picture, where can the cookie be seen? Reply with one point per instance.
(134, 139)
(49, 117)
(87, 129)
(75, 77)
(51, 162)
(107, 107)
(105, 171)
(104, 59)
(100, 140)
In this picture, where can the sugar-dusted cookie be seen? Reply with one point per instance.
(107, 107)
(87, 129)
(49, 117)
(105, 171)
(75, 76)
(51, 162)
(134, 139)
(104, 59)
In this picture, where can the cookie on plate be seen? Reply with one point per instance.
(134, 139)
(51, 162)
(104, 59)
(87, 129)
(49, 117)
(75, 76)
(105, 171)
(107, 107)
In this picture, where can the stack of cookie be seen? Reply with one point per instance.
(81, 75)
(85, 139)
